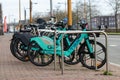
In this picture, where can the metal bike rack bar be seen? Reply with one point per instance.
(55, 50)
(95, 51)
(107, 60)
(62, 56)
(78, 31)
(55, 33)
(93, 32)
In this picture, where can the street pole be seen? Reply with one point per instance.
(19, 10)
(90, 15)
(85, 14)
(65, 8)
(77, 14)
(25, 15)
(14, 25)
(19, 14)
(30, 3)
(69, 13)
(51, 8)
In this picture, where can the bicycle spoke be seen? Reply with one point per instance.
(87, 58)
(89, 62)
(42, 59)
(99, 59)
(99, 52)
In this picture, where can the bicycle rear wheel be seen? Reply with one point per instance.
(88, 61)
(11, 46)
(38, 58)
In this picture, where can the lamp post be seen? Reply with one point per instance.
(77, 13)
(14, 24)
(85, 14)
(90, 14)
(69, 13)
(25, 14)
(30, 2)
(19, 12)
(51, 8)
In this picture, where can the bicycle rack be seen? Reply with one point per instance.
(77, 31)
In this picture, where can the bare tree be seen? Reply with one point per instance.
(91, 11)
(59, 14)
(115, 4)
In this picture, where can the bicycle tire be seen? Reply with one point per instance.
(38, 58)
(18, 52)
(11, 47)
(86, 60)
(72, 59)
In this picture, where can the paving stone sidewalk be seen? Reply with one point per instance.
(13, 69)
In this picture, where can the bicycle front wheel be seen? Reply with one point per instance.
(88, 61)
(38, 58)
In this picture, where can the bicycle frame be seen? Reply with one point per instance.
(78, 41)
(47, 44)
(49, 40)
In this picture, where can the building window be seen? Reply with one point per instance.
(101, 19)
(102, 23)
(105, 19)
(105, 23)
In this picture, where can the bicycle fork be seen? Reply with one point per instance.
(90, 48)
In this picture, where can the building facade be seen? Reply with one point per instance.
(0, 14)
(1, 25)
(103, 22)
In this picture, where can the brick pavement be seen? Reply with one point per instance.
(13, 69)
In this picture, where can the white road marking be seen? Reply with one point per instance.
(115, 64)
(113, 45)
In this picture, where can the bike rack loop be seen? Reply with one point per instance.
(94, 52)
(93, 32)
(78, 31)
(55, 33)
(55, 50)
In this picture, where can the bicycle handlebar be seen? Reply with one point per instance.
(26, 30)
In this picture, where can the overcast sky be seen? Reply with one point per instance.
(11, 7)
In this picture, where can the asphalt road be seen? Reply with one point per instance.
(113, 48)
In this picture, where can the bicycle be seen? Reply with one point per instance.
(20, 41)
(45, 46)
(41, 57)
